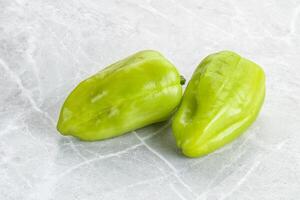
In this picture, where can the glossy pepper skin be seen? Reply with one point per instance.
(221, 101)
(137, 91)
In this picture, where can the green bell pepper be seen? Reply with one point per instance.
(137, 91)
(222, 100)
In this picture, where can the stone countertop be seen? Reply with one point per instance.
(48, 46)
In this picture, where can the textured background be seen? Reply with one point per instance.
(47, 47)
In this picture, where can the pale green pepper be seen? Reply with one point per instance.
(137, 91)
(221, 101)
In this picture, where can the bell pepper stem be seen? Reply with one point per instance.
(182, 80)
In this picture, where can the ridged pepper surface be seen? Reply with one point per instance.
(137, 91)
(221, 101)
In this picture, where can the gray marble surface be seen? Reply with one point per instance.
(48, 46)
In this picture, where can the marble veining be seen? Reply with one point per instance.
(47, 47)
